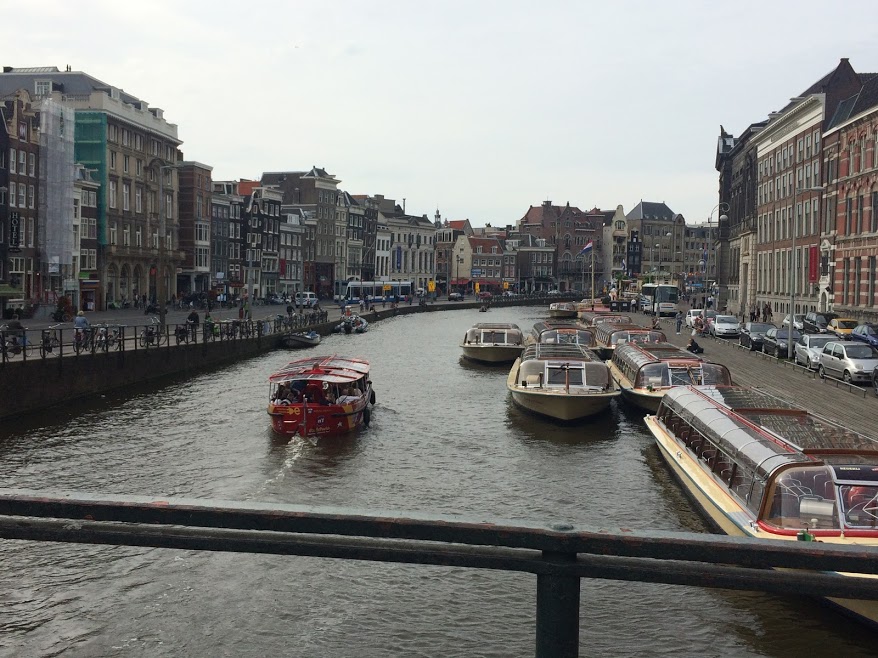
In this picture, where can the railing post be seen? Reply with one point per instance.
(557, 611)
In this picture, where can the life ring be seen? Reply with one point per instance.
(372, 397)
(367, 416)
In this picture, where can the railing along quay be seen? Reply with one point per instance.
(560, 555)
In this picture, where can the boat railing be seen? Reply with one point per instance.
(559, 553)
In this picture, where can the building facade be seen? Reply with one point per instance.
(195, 215)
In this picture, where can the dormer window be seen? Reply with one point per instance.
(479, 250)
(42, 88)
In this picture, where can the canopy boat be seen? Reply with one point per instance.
(351, 324)
(558, 333)
(608, 336)
(565, 382)
(493, 342)
(321, 396)
(562, 310)
(594, 318)
(644, 372)
(761, 467)
(302, 339)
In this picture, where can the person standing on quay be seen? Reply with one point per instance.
(678, 321)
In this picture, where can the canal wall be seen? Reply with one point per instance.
(33, 384)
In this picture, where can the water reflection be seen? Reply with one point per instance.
(600, 427)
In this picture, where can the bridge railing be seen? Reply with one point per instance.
(559, 554)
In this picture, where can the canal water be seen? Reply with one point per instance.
(444, 439)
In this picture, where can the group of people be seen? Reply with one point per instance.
(765, 310)
(299, 391)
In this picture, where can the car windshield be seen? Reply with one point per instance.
(861, 352)
(847, 324)
(727, 319)
(760, 327)
(819, 341)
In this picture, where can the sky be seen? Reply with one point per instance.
(478, 108)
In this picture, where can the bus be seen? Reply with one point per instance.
(661, 298)
(375, 291)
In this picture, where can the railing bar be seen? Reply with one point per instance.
(299, 519)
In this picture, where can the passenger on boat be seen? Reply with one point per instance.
(349, 396)
(280, 395)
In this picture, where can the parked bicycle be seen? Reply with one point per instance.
(152, 334)
(14, 342)
(83, 339)
(105, 337)
(50, 341)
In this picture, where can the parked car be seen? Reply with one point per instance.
(815, 322)
(808, 349)
(306, 299)
(554, 292)
(691, 314)
(752, 334)
(725, 326)
(485, 295)
(775, 341)
(866, 333)
(841, 327)
(798, 321)
(455, 297)
(848, 360)
(875, 381)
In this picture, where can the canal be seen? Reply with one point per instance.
(444, 439)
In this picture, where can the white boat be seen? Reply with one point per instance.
(493, 342)
(645, 371)
(301, 339)
(562, 310)
(608, 336)
(555, 332)
(564, 382)
(761, 467)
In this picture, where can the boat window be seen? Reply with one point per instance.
(652, 374)
(685, 375)
(716, 374)
(860, 505)
(562, 376)
(801, 498)
(494, 337)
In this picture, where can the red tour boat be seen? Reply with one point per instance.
(321, 396)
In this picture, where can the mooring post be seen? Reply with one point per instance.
(557, 611)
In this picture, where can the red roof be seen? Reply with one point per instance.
(485, 244)
(335, 369)
(246, 187)
(457, 224)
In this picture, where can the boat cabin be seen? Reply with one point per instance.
(493, 333)
(593, 319)
(561, 332)
(661, 365)
(565, 366)
(792, 470)
(609, 335)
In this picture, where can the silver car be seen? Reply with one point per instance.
(725, 325)
(852, 362)
(809, 348)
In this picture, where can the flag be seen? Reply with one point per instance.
(587, 248)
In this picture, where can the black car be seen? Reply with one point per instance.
(752, 334)
(775, 341)
(815, 322)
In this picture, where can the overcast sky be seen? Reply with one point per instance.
(478, 108)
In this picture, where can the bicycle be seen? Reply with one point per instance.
(13, 342)
(83, 339)
(152, 334)
(50, 341)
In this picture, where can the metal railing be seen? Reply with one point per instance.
(560, 554)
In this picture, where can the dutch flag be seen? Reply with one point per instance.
(587, 248)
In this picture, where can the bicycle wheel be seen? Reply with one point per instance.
(43, 349)
(142, 339)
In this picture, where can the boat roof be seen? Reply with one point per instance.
(556, 325)
(558, 352)
(641, 354)
(496, 325)
(334, 369)
(764, 431)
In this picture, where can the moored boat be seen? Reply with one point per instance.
(760, 467)
(555, 332)
(592, 319)
(321, 396)
(301, 339)
(608, 336)
(493, 342)
(562, 310)
(564, 382)
(645, 371)
(351, 324)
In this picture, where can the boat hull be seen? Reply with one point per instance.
(561, 313)
(724, 513)
(646, 400)
(557, 403)
(492, 353)
(301, 340)
(312, 421)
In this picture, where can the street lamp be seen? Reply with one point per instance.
(793, 267)
(161, 292)
(723, 208)
(459, 260)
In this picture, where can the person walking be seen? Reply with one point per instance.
(678, 321)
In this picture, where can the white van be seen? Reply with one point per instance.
(306, 299)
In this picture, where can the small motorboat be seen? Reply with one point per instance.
(493, 342)
(351, 324)
(302, 339)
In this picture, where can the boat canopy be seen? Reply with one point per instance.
(334, 369)
(595, 318)
(609, 335)
(563, 365)
(562, 332)
(663, 364)
(494, 333)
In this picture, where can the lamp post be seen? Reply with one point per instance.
(654, 266)
(161, 292)
(723, 207)
(459, 260)
(794, 267)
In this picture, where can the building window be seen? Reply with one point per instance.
(126, 196)
(113, 233)
(138, 199)
(874, 218)
(22, 163)
(126, 161)
(22, 192)
(31, 164)
(169, 206)
(30, 196)
(112, 200)
(126, 235)
(112, 159)
(138, 237)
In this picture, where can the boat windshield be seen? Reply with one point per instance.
(562, 336)
(695, 373)
(860, 503)
(563, 376)
(803, 498)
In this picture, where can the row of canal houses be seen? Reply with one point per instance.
(99, 204)
(799, 191)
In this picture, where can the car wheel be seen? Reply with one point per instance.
(821, 372)
(811, 365)
(847, 377)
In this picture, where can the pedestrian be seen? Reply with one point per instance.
(289, 311)
(678, 321)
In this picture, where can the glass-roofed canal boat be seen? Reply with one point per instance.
(760, 467)
(559, 332)
(564, 382)
(645, 371)
(608, 336)
(493, 342)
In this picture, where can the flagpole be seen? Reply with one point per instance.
(592, 277)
